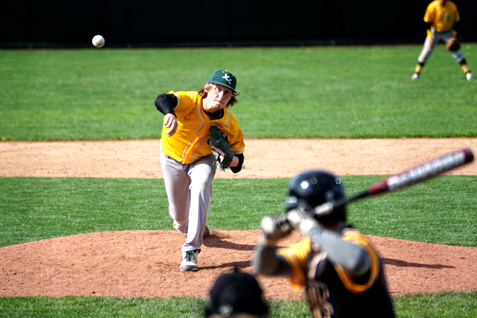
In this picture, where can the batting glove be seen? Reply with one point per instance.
(302, 219)
(274, 228)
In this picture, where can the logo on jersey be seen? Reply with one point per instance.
(227, 78)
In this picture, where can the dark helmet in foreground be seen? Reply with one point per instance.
(236, 294)
(313, 188)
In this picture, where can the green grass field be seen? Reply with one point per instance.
(420, 305)
(309, 92)
(285, 92)
(41, 208)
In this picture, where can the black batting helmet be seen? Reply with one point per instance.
(313, 188)
(236, 293)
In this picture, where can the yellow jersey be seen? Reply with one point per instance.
(298, 256)
(189, 143)
(441, 17)
(330, 290)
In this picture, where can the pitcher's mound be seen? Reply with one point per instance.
(146, 264)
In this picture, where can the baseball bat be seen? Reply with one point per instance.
(420, 173)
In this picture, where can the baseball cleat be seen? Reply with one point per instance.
(189, 261)
(469, 76)
(414, 76)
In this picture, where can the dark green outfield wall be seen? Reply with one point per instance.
(213, 22)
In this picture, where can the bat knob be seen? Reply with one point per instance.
(469, 156)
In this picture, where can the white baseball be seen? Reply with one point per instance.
(98, 41)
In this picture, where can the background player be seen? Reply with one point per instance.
(342, 273)
(441, 18)
(187, 161)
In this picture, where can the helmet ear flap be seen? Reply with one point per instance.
(291, 202)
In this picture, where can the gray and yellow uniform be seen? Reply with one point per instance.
(441, 17)
(187, 161)
(189, 144)
(340, 270)
(330, 290)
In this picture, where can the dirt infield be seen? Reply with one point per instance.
(146, 263)
(265, 158)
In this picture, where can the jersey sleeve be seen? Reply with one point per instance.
(456, 13)
(346, 278)
(430, 14)
(185, 102)
(296, 256)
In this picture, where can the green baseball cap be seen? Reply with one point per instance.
(224, 78)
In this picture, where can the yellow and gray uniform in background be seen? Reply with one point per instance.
(441, 19)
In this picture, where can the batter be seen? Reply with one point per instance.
(340, 270)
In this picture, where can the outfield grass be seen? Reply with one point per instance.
(330, 92)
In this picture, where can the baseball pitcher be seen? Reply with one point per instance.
(187, 159)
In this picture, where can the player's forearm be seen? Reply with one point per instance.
(429, 30)
(237, 163)
(267, 262)
(352, 257)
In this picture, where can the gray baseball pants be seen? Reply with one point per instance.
(438, 37)
(188, 188)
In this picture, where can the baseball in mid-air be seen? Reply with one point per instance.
(98, 41)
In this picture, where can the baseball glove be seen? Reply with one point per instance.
(218, 140)
(452, 44)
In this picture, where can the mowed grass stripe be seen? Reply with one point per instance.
(443, 305)
(314, 92)
(442, 210)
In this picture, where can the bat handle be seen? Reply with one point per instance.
(324, 209)
(328, 207)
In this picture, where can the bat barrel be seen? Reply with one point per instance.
(430, 169)
(405, 179)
